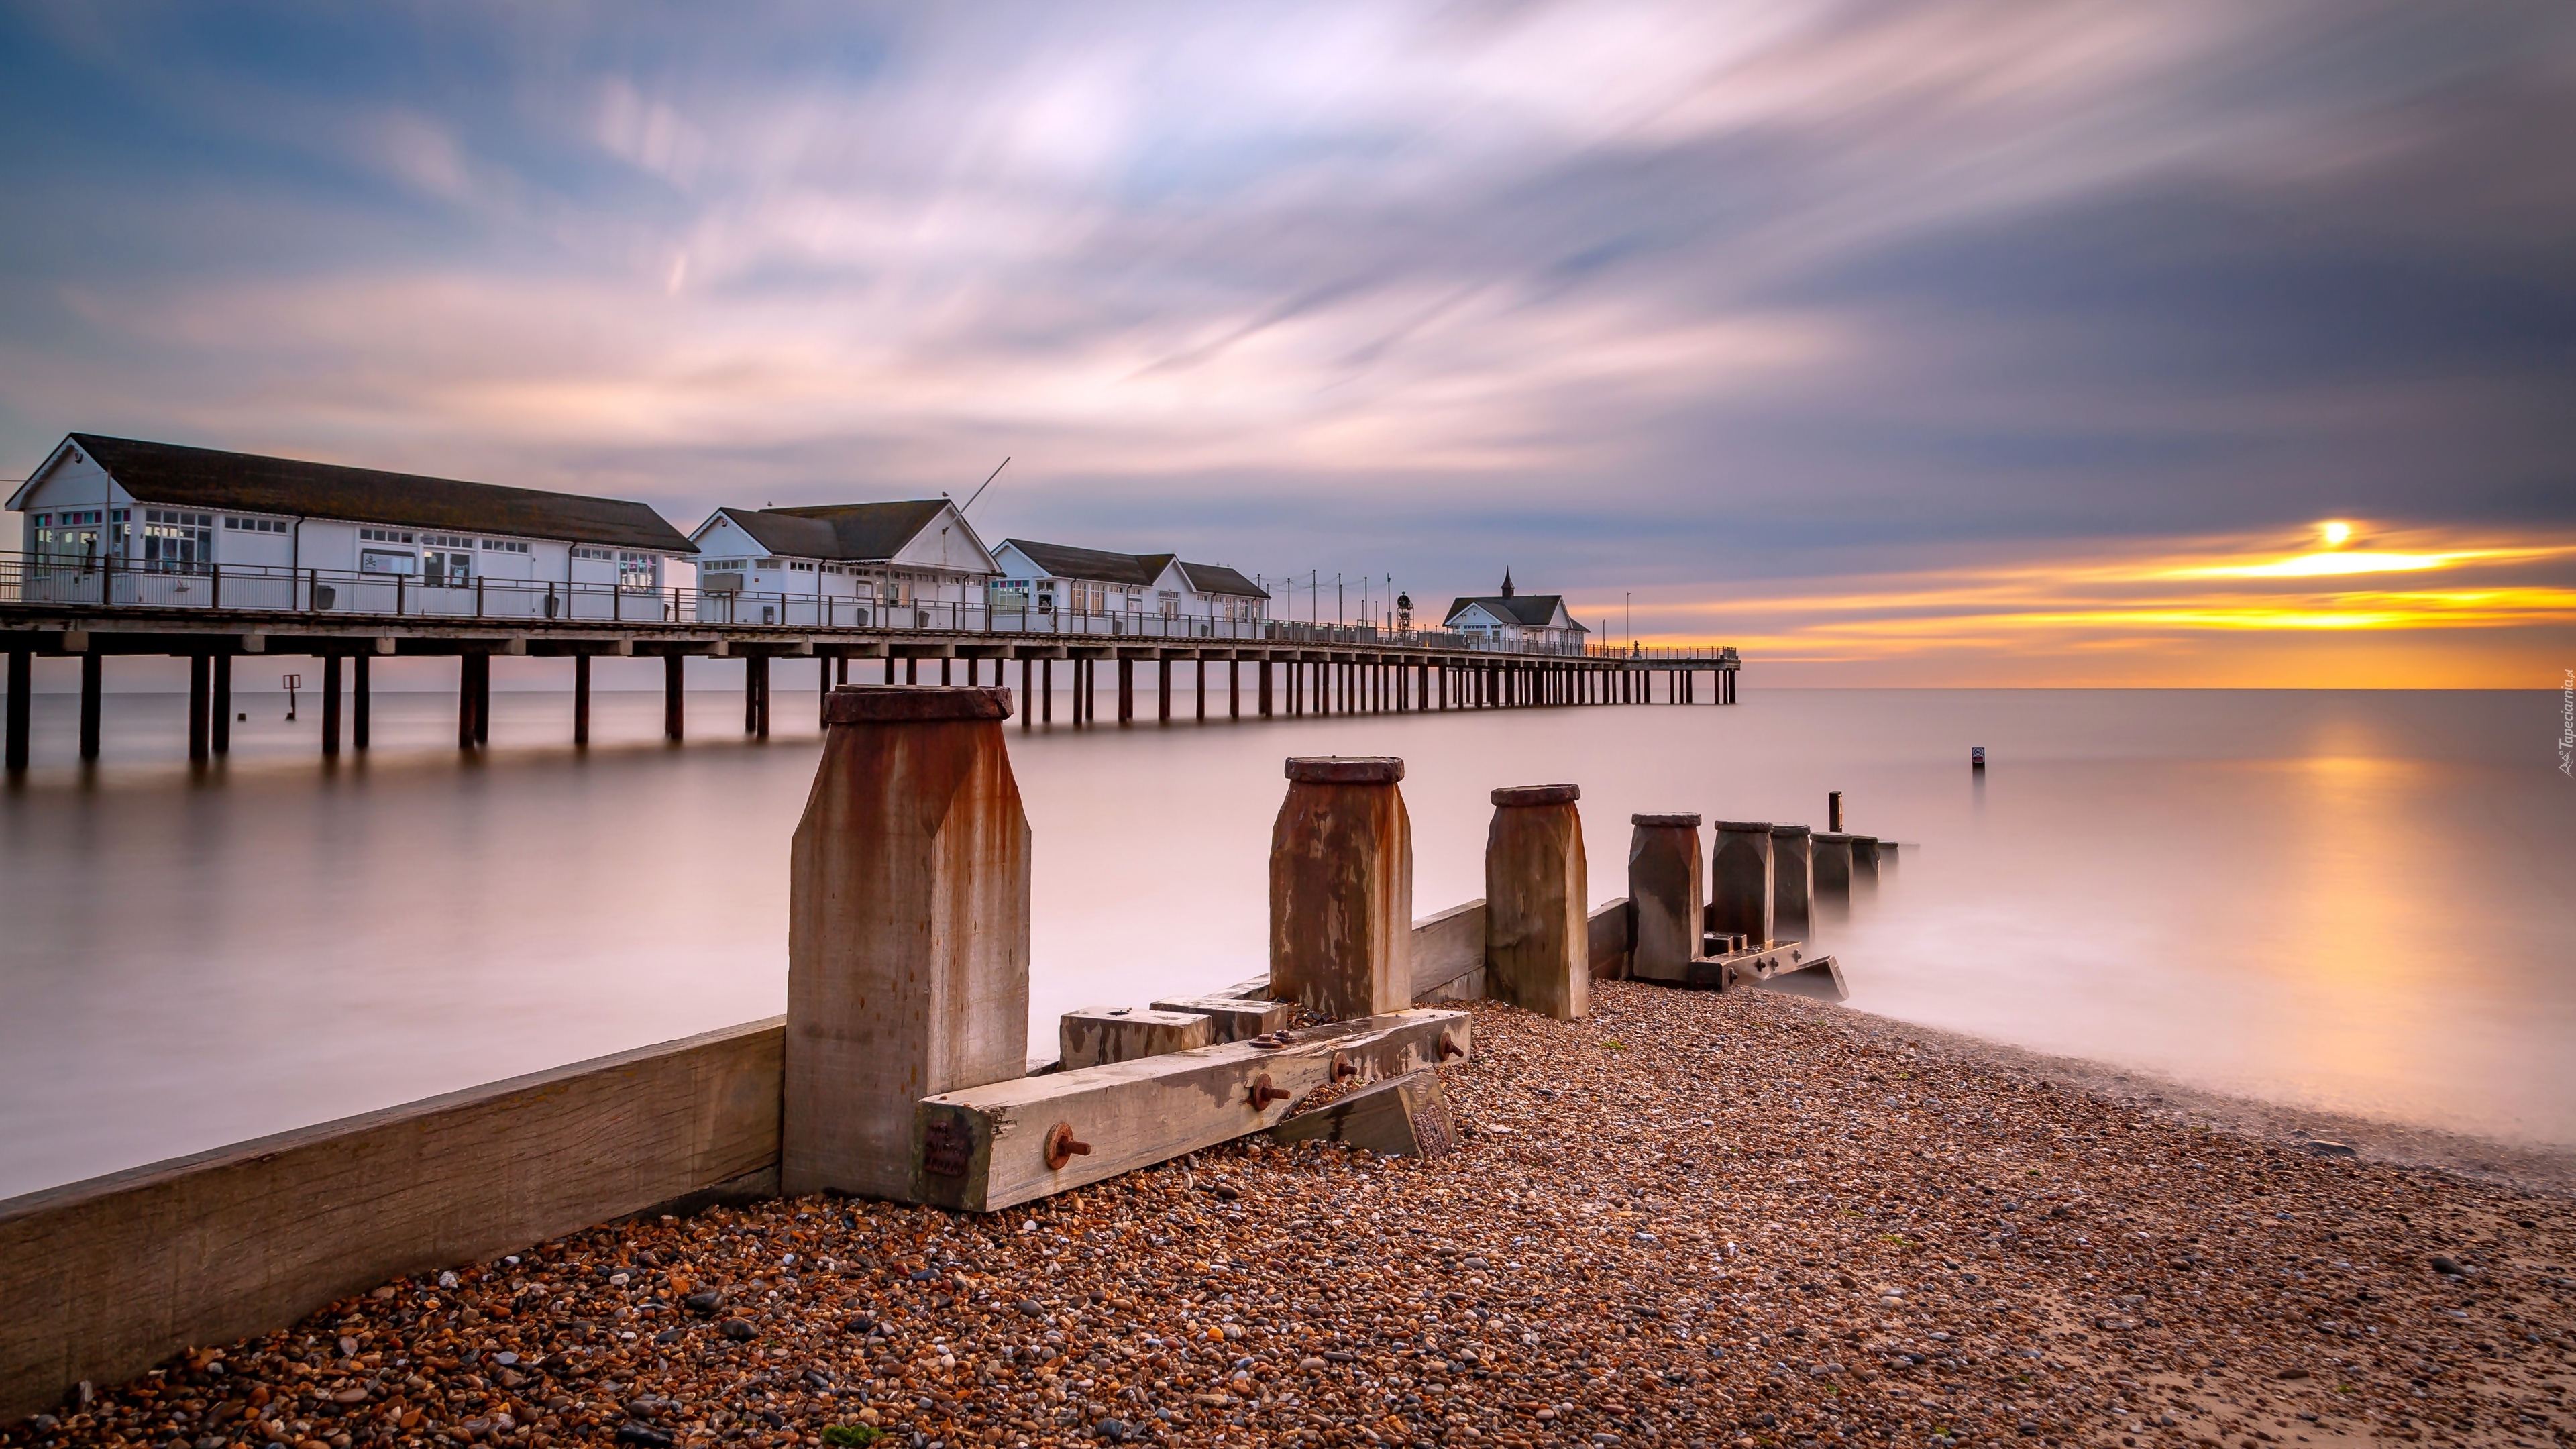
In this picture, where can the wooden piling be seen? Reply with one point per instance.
(361, 695)
(22, 683)
(673, 710)
(1864, 861)
(1793, 883)
(330, 706)
(1341, 888)
(580, 698)
(1537, 951)
(1265, 687)
(220, 736)
(1028, 716)
(1126, 689)
(1739, 881)
(1833, 857)
(89, 693)
(1666, 893)
(908, 931)
(201, 688)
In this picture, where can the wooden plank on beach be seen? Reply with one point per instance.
(1447, 947)
(107, 1277)
(985, 1148)
(1606, 935)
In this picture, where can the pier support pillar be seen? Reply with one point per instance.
(1234, 689)
(1341, 888)
(22, 683)
(1265, 688)
(1163, 691)
(755, 696)
(330, 706)
(907, 932)
(201, 689)
(580, 697)
(1793, 883)
(1739, 880)
(1028, 671)
(1538, 951)
(672, 710)
(89, 692)
(361, 703)
(1046, 689)
(1666, 899)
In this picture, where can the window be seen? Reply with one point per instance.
(370, 535)
(1170, 604)
(1088, 598)
(175, 542)
(503, 545)
(446, 540)
(1009, 596)
(600, 554)
(769, 563)
(800, 566)
(280, 525)
(636, 570)
(448, 566)
(386, 561)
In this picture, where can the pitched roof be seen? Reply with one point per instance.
(206, 478)
(1218, 579)
(1064, 561)
(852, 531)
(1532, 611)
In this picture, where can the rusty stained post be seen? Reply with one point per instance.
(1537, 935)
(1667, 901)
(1341, 888)
(907, 931)
(1793, 883)
(1739, 881)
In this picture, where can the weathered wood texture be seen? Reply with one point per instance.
(1819, 979)
(1098, 1034)
(1537, 942)
(1449, 947)
(1609, 934)
(1233, 1018)
(1864, 850)
(1793, 884)
(1341, 898)
(1833, 864)
(907, 931)
(987, 1147)
(1406, 1117)
(104, 1278)
(1668, 897)
(1739, 880)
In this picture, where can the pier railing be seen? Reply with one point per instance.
(110, 582)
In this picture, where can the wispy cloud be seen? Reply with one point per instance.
(1708, 304)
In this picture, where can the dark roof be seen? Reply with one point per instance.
(842, 530)
(1218, 579)
(1534, 611)
(205, 478)
(1063, 561)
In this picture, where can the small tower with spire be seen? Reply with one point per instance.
(1507, 581)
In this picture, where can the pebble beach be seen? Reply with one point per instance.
(1692, 1219)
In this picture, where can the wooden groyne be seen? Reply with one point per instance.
(899, 1069)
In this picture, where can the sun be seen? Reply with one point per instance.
(2335, 533)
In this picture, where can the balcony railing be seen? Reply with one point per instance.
(94, 581)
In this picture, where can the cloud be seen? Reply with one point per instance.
(1639, 296)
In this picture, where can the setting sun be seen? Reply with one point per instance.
(2336, 533)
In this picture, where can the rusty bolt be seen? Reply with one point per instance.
(1061, 1148)
(1343, 1069)
(1449, 1047)
(1263, 1094)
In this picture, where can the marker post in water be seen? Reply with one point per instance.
(1976, 757)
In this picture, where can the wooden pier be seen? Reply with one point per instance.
(1279, 670)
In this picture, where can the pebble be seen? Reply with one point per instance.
(1759, 1223)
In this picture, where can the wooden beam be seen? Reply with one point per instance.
(1406, 1117)
(985, 1148)
(1098, 1034)
(107, 1277)
(1234, 1018)
(1448, 949)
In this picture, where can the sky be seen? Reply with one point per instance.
(1978, 343)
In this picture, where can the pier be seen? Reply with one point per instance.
(214, 616)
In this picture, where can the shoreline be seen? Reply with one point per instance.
(1735, 1220)
(2535, 1167)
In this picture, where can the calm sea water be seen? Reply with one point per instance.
(2357, 901)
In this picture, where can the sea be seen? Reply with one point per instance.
(2354, 902)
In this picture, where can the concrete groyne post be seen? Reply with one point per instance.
(1341, 888)
(907, 931)
(1537, 936)
(1793, 883)
(1665, 893)
(1739, 880)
